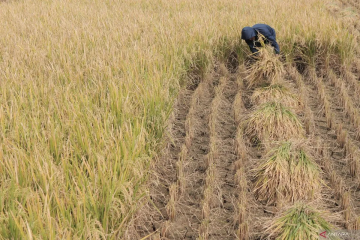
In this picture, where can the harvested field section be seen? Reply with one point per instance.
(261, 151)
(214, 180)
(194, 190)
(330, 137)
(347, 130)
(347, 101)
(344, 86)
(222, 131)
(196, 197)
(187, 210)
(241, 181)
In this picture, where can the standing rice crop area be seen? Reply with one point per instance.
(147, 120)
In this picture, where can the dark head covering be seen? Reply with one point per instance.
(247, 33)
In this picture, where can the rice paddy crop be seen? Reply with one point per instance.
(273, 121)
(86, 88)
(287, 173)
(299, 222)
(275, 92)
(266, 68)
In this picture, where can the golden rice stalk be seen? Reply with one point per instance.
(350, 78)
(287, 173)
(275, 92)
(272, 178)
(170, 207)
(242, 214)
(205, 210)
(243, 188)
(297, 223)
(341, 135)
(238, 106)
(356, 224)
(309, 120)
(164, 228)
(241, 148)
(273, 121)
(294, 74)
(266, 69)
(210, 176)
(305, 175)
(243, 231)
(346, 205)
(357, 123)
(240, 76)
(353, 154)
(223, 70)
(204, 230)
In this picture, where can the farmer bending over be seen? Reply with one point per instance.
(251, 37)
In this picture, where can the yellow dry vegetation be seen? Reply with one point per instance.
(86, 87)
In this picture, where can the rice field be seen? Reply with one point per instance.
(146, 120)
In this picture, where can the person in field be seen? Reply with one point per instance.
(251, 36)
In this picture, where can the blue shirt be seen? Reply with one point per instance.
(267, 31)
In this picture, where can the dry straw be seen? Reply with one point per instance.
(272, 121)
(86, 88)
(287, 173)
(265, 69)
(276, 92)
(297, 223)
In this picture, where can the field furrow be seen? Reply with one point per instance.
(194, 190)
(346, 118)
(340, 197)
(154, 218)
(186, 209)
(222, 156)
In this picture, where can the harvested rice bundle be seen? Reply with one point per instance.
(287, 173)
(273, 121)
(265, 69)
(276, 92)
(297, 223)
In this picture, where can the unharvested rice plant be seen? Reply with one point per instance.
(140, 119)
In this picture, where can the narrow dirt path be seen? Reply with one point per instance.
(343, 163)
(187, 208)
(223, 132)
